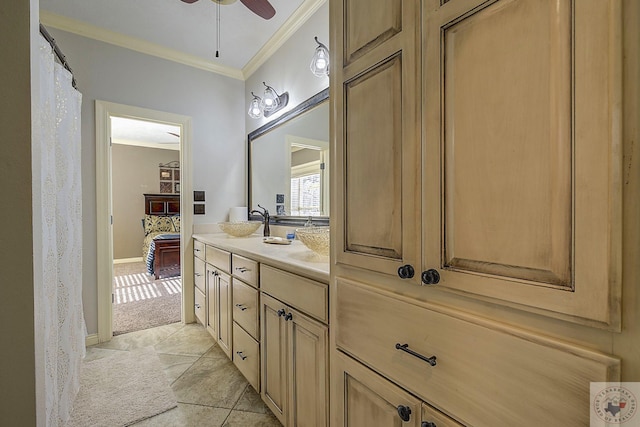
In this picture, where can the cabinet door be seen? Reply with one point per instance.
(273, 345)
(308, 371)
(522, 159)
(377, 161)
(225, 320)
(212, 301)
(365, 399)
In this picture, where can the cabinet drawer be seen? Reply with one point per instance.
(306, 295)
(486, 373)
(198, 249)
(246, 356)
(218, 258)
(436, 418)
(199, 274)
(245, 307)
(200, 306)
(245, 269)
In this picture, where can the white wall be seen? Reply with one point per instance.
(288, 68)
(215, 103)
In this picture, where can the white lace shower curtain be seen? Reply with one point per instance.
(59, 199)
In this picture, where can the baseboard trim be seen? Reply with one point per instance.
(91, 340)
(126, 260)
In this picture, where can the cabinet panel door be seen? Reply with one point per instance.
(212, 301)
(376, 190)
(365, 399)
(225, 319)
(522, 153)
(367, 27)
(308, 371)
(273, 357)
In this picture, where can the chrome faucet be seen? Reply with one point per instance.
(265, 217)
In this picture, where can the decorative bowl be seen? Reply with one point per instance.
(240, 228)
(315, 238)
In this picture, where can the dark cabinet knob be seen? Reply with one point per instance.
(281, 312)
(406, 272)
(430, 277)
(288, 316)
(428, 424)
(404, 412)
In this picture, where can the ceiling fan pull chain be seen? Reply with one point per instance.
(218, 30)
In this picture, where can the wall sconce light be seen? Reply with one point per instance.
(255, 110)
(269, 104)
(320, 60)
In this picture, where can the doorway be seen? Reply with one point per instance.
(106, 113)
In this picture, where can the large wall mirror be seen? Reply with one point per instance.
(289, 164)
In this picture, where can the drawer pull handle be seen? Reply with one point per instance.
(198, 306)
(241, 307)
(197, 250)
(281, 312)
(428, 424)
(198, 274)
(288, 316)
(430, 277)
(242, 356)
(404, 412)
(243, 269)
(405, 347)
(406, 271)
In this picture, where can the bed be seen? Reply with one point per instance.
(161, 244)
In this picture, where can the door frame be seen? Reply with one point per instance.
(104, 236)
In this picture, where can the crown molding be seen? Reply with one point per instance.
(86, 30)
(291, 25)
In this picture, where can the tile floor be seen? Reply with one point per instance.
(210, 390)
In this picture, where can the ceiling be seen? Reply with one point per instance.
(142, 133)
(183, 32)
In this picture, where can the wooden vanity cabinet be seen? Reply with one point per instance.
(219, 298)
(294, 348)
(200, 282)
(246, 324)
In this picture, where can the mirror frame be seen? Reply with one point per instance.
(300, 109)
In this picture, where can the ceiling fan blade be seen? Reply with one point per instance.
(262, 8)
(189, 1)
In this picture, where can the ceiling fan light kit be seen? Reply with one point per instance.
(320, 61)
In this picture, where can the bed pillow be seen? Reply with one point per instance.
(176, 223)
(157, 223)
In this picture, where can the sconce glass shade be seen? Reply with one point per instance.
(269, 99)
(320, 61)
(255, 110)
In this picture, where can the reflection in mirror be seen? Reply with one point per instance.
(289, 163)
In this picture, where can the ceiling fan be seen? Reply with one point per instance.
(262, 8)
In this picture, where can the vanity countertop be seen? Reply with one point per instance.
(295, 258)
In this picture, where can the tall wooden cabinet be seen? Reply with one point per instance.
(476, 207)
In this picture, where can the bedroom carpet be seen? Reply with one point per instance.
(139, 375)
(140, 302)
